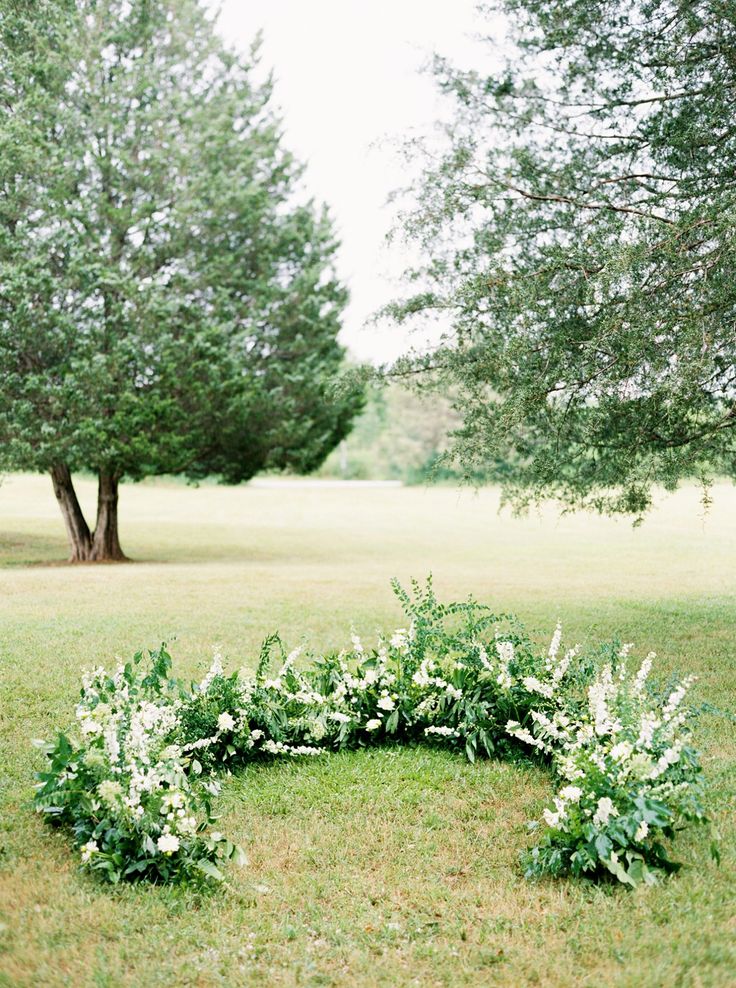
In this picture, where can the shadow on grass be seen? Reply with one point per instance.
(23, 549)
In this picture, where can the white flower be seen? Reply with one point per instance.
(604, 812)
(641, 831)
(504, 680)
(548, 726)
(599, 693)
(214, 671)
(553, 818)
(373, 724)
(669, 757)
(168, 843)
(90, 727)
(649, 724)
(535, 686)
(110, 792)
(621, 751)
(505, 651)
(398, 639)
(446, 732)
(571, 793)
(340, 717)
(643, 673)
(386, 703)
(421, 677)
(357, 644)
(290, 660)
(88, 850)
(171, 751)
(515, 730)
(568, 768)
(554, 645)
(172, 800)
(675, 698)
(92, 677)
(225, 722)
(564, 664)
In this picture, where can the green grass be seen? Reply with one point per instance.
(393, 867)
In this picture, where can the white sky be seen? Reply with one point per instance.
(348, 76)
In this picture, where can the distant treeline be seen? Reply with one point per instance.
(403, 435)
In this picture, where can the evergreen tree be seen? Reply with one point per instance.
(168, 303)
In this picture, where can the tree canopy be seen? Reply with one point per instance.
(168, 295)
(579, 225)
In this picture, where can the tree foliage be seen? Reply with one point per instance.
(580, 225)
(168, 298)
(404, 435)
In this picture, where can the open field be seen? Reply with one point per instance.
(392, 867)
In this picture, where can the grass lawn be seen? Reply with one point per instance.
(391, 867)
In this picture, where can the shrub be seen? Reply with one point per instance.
(135, 782)
(630, 775)
(126, 788)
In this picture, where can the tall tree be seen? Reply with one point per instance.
(581, 224)
(168, 299)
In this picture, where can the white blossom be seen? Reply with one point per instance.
(605, 810)
(445, 732)
(649, 723)
(675, 698)
(621, 751)
(554, 645)
(110, 792)
(168, 843)
(571, 793)
(553, 818)
(88, 850)
(215, 670)
(399, 639)
(643, 674)
(534, 685)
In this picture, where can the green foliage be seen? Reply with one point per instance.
(404, 435)
(459, 676)
(631, 776)
(578, 229)
(124, 790)
(169, 300)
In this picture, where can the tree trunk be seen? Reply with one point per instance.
(105, 542)
(77, 530)
(86, 547)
